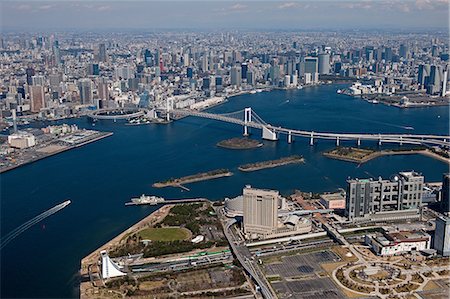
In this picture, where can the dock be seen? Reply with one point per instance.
(168, 201)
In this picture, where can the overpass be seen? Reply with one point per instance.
(247, 118)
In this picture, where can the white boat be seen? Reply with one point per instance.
(299, 87)
(253, 91)
(339, 91)
(147, 199)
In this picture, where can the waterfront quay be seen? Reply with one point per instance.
(11, 158)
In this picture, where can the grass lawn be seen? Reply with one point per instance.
(165, 234)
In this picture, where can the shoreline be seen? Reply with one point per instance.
(271, 163)
(377, 154)
(93, 257)
(12, 167)
(204, 176)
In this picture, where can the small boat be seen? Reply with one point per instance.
(339, 91)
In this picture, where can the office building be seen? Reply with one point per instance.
(324, 63)
(37, 98)
(244, 70)
(236, 75)
(311, 65)
(102, 53)
(86, 91)
(30, 73)
(442, 236)
(397, 198)
(424, 75)
(260, 211)
(403, 51)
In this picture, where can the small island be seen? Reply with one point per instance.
(239, 143)
(203, 176)
(271, 163)
(362, 155)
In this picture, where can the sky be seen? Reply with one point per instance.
(246, 14)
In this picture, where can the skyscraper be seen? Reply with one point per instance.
(102, 53)
(403, 51)
(260, 211)
(236, 75)
(86, 92)
(244, 71)
(424, 75)
(37, 98)
(324, 63)
(311, 65)
(30, 73)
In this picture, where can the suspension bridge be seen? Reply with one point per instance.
(247, 118)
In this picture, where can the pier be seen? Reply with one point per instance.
(168, 201)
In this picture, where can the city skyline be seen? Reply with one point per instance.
(202, 15)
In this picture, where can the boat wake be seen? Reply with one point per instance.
(16, 232)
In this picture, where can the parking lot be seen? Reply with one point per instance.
(316, 288)
(300, 265)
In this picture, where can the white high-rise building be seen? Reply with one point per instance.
(260, 211)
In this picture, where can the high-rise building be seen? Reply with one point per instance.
(189, 72)
(324, 63)
(30, 73)
(424, 75)
(445, 195)
(260, 214)
(236, 75)
(37, 98)
(56, 53)
(435, 80)
(397, 198)
(86, 91)
(251, 78)
(244, 70)
(403, 51)
(442, 236)
(38, 80)
(102, 53)
(103, 91)
(311, 65)
(388, 54)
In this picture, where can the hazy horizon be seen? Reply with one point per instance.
(135, 15)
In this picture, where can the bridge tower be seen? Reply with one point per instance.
(337, 141)
(289, 137)
(358, 142)
(311, 139)
(247, 119)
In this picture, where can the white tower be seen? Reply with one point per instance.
(109, 268)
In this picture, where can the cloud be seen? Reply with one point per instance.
(288, 5)
(46, 7)
(104, 8)
(238, 6)
(24, 7)
(431, 4)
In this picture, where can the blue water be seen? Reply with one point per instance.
(100, 177)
